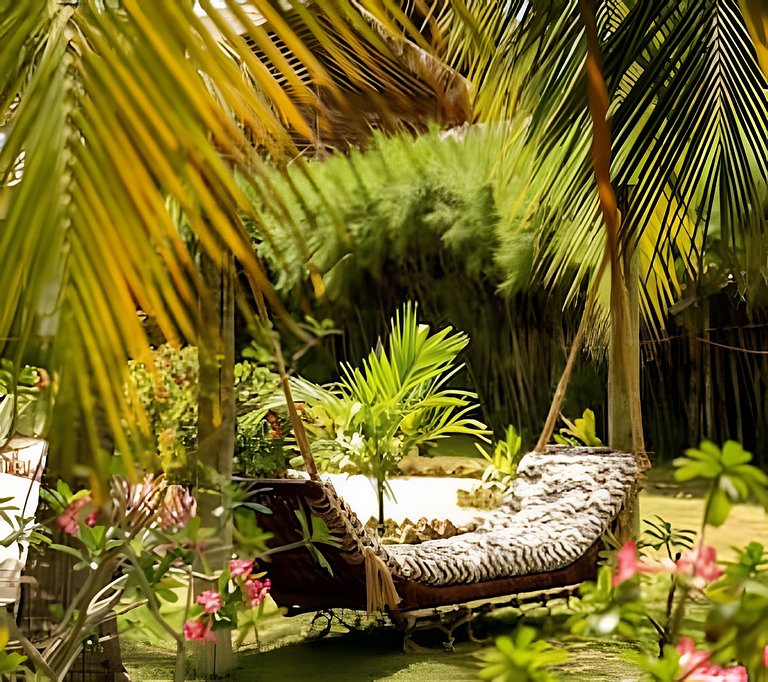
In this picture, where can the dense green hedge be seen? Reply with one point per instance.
(425, 219)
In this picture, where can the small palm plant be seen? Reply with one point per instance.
(502, 465)
(398, 399)
(579, 431)
(499, 475)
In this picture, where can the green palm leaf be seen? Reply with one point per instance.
(688, 116)
(124, 126)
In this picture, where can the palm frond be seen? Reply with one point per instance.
(688, 116)
(118, 116)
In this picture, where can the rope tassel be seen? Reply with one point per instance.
(379, 586)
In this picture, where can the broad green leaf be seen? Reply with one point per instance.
(719, 507)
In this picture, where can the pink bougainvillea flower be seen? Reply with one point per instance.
(700, 564)
(238, 567)
(197, 631)
(628, 565)
(691, 658)
(67, 520)
(696, 667)
(210, 600)
(255, 591)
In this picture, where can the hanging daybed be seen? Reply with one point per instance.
(545, 536)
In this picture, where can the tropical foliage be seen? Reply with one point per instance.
(398, 400)
(147, 560)
(139, 137)
(507, 453)
(80, 61)
(499, 473)
(691, 573)
(410, 215)
(428, 219)
(123, 126)
(131, 551)
(168, 390)
(686, 569)
(521, 657)
(579, 431)
(23, 404)
(671, 70)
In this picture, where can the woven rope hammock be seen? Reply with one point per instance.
(546, 533)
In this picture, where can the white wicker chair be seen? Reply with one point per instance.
(23, 462)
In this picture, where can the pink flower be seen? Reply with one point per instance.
(701, 564)
(765, 656)
(628, 564)
(239, 567)
(210, 600)
(90, 520)
(716, 673)
(67, 524)
(691, 658)
(67, 520)
(195, 630)
(255, 591)
(695, 666)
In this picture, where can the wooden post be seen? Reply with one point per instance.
(216, 431)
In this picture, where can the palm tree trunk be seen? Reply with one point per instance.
(216, 429)
(625, 348)
(624, 374)
(619, 421)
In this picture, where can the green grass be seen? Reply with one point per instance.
(288, 651)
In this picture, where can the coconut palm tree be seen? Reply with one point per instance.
(128, 131)
(664, 97)
(126, 122)
(123, 125)
(670, 111)
(94, 97)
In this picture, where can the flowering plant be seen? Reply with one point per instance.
(239, 589)
(730, 643)
(125, 546)
(735, 594)
(137, 550)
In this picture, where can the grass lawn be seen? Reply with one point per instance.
(288, 651)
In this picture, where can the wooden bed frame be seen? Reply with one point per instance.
(301, 585)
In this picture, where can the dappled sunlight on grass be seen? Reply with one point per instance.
(289, 649)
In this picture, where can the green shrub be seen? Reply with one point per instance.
(21, 408)
(170, 397)
(579, 431)
(260, 448)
